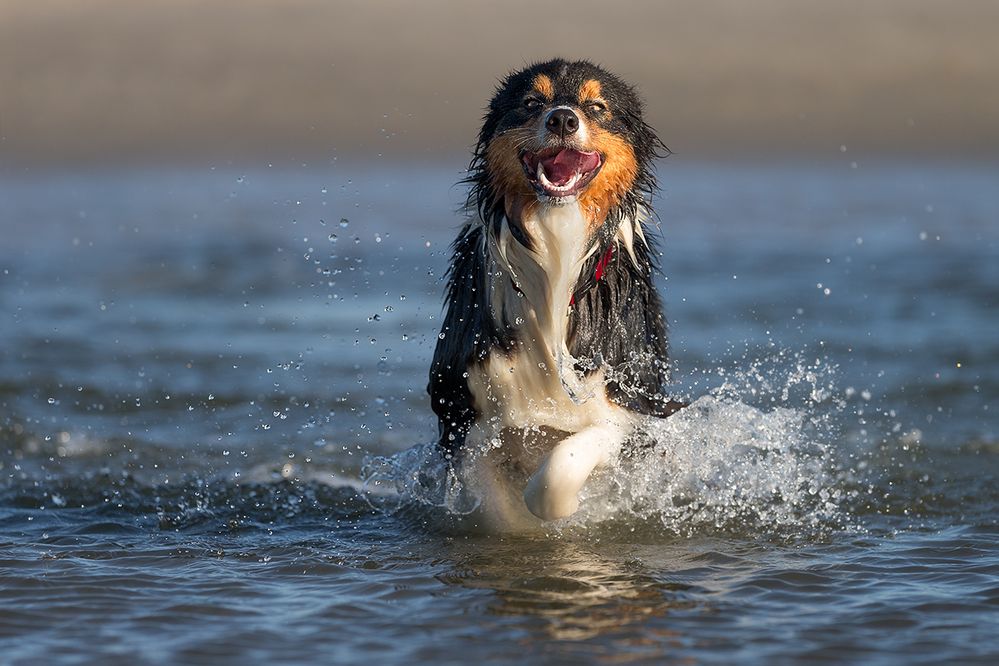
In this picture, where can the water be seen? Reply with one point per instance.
(212, 384)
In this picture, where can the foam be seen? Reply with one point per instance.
(754, 452)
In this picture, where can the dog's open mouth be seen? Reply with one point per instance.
(561, 172)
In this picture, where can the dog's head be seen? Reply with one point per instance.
(560, 132)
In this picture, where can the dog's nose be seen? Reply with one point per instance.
(562, 122)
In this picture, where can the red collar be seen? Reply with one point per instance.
(598, 271)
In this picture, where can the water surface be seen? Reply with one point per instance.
(212, 382)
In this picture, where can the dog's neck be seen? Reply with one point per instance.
(530, 293)
(542, 276)
(532, 286)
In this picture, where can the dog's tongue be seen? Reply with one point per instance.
(561, 167)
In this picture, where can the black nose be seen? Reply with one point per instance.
(562, 122)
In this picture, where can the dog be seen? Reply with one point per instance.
(553, 345)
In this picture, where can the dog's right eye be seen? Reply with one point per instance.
(532, 103)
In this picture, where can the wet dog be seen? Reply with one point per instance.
(553, 345)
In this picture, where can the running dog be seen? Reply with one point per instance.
(553, 345)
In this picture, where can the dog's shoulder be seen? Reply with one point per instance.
(617, 321)
(468, 333)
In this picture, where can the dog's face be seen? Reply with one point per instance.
(560, 132)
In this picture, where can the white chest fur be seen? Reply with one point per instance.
(531, 291)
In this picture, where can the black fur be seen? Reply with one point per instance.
(467, 336)
(617, 321)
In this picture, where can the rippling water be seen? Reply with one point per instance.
(213, 428)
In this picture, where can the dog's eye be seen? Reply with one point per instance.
(532, 103)
(597, 107)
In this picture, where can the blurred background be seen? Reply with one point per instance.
(246, 81)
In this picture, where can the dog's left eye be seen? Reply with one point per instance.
(597, 107)
(532, 103)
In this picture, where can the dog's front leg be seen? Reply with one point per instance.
(553, 491)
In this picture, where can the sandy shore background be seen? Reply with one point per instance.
(305, 80)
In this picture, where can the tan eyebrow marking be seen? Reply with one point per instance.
(590, 90)
(544, 86)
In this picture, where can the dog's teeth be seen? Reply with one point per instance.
(557, 190)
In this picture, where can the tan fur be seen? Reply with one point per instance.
(589, 91)
(544, 86)
(505, 170)
(615, 179)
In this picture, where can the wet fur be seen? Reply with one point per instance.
(512, 261)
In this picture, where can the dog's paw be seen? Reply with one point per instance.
(550, 493)
(547, 505)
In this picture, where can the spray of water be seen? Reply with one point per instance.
(754, 451)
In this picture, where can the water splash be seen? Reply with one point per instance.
(419, 475)
(756, 451)
(721, 463)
